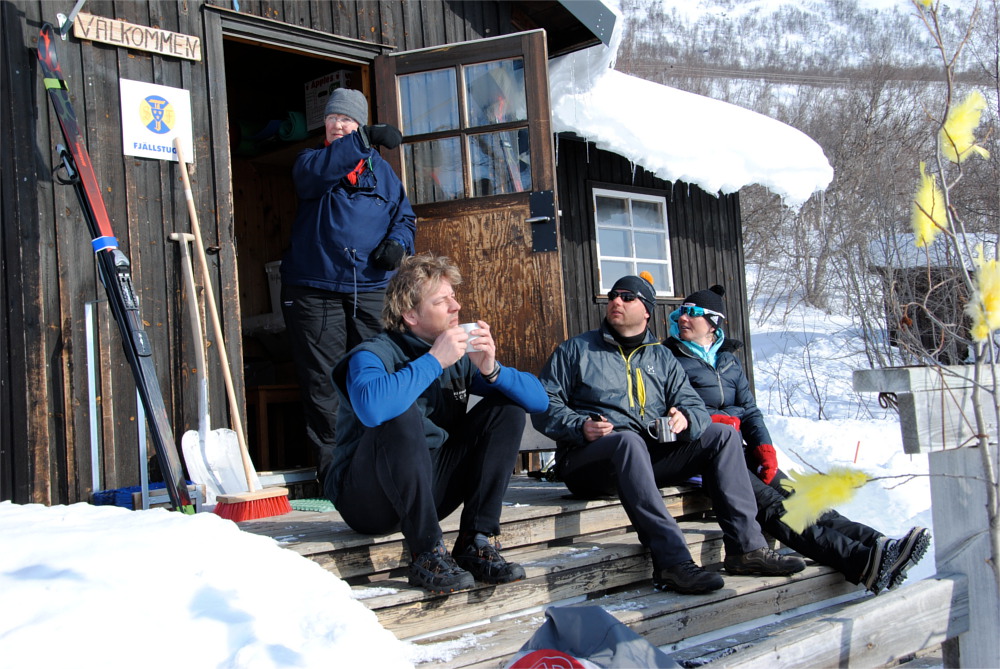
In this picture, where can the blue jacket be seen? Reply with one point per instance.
(724, 388)
(339, 224)
(385, 375)
(590, 373)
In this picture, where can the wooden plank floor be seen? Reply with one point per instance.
(572, 550)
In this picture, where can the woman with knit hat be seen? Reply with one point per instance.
(353, 226)
(861, 553)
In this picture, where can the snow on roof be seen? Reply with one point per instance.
(681, 136)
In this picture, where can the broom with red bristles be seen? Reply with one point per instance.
(256, 503)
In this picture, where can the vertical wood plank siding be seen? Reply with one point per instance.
(706, 242)
(48, 270)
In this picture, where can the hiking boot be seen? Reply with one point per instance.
(764, 562)
(686, 578)
(911, 549)
(436, 571)
(878, 573)
(483, 560)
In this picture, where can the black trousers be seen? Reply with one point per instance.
(626, 464)
(395, 482)
(322, 326)
(833, 540)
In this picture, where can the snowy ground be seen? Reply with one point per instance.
(84, 586)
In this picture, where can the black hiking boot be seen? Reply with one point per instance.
(878, 573)
(911, 549)
(482, 559)
(764, 562)
(686, 578)
(436, 571)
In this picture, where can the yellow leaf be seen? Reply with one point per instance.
(928, 216)
(812, 494)
(984, 305)
(958, 139)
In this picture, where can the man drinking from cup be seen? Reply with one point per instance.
(410, 451)
(605, 387)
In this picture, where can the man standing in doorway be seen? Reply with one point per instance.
(353, 227)
(605, 387)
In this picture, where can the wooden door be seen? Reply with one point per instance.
(479, 169)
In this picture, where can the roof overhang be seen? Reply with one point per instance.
(570, 25)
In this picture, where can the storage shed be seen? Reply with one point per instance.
(524, 226)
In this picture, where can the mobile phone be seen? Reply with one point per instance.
(596, 417)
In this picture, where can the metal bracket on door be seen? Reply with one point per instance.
(542, 221)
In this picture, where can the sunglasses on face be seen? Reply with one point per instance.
(697, 311)
(626, 296)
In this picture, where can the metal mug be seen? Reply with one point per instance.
(661, 430)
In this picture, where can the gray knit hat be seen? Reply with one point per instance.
(348, 102)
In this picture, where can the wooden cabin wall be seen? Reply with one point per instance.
(48, 271)
(706, 238)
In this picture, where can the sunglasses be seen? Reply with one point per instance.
(627, 296)
(691, 311)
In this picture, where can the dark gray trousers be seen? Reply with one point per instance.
(394, 482)
(626, 464)
(322, 326)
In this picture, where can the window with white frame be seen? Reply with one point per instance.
(632, 237)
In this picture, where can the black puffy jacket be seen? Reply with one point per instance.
(725, 389)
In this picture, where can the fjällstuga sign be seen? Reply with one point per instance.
(143, 38)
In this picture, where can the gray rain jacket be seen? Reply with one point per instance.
(590, 373)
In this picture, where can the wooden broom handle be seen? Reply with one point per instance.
(213, 312)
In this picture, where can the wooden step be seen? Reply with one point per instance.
(871, 632)
(661, 617)
(589, 566)
(535, 512)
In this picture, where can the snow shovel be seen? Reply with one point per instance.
(212, 456)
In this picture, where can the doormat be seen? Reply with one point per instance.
(312, 504)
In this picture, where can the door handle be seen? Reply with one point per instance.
(538, 219)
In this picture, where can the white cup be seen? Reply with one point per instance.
(469, 327)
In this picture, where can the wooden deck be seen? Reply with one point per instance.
(576, 552)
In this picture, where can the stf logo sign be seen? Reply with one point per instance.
(152, 115)
(157, 114)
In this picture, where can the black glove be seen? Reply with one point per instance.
(383, 134)
(388, 254)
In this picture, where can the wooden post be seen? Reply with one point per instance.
(935, 414)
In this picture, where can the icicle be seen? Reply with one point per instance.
(632, 163)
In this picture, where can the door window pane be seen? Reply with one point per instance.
(632, 236)
(494, 92)
(433, 170)
(501, 162)
(428, 102)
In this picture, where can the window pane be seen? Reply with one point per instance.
(611, 271)
(662, 280)
(501, 162)
(614, 242)
(611, 211)
(433, 170)
(649, 245)
(648, 215)
(495, 92)
(428, 102)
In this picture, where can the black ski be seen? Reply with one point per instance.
(115, 272)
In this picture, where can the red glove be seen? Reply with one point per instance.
(726, 420)
(767, 462)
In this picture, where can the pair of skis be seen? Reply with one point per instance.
(114, 270)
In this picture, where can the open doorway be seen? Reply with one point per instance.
(275, 98)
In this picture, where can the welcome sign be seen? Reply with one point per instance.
(152, 115)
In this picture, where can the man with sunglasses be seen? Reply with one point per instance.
(605, 387)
